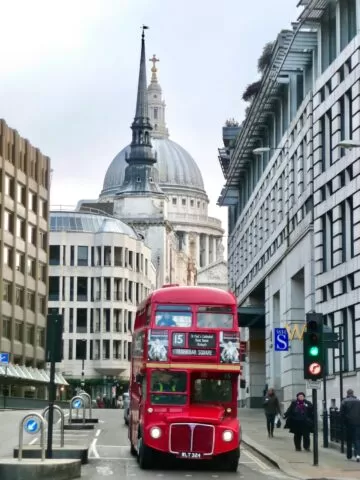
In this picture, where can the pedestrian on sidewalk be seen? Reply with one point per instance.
(272, 409)
(300, 421)
(350, 413)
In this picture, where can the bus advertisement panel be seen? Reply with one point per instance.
(184, 377)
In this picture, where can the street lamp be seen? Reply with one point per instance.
(348, 144)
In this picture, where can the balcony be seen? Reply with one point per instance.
(107, 366)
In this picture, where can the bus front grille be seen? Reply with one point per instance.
(192, 437)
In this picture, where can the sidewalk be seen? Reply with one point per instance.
(281, 452)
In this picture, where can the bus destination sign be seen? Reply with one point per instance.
(194, 351)
(202, 340)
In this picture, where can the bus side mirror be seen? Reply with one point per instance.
(139, 378)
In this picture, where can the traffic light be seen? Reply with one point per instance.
(314, 347)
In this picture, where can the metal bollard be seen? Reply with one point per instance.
(77, 397)
(62, 422)
(84, 394)
(41, 420)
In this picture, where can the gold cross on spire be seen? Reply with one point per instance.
(154, 60)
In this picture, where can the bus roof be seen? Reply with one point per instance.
(197, 295)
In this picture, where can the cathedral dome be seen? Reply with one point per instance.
(177, 169)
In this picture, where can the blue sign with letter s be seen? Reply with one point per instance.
(281, 340)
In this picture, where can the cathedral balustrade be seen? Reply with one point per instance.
(192, 218)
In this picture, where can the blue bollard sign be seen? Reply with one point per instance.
(32, 425)
(77, 403)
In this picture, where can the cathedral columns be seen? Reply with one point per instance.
(207, 250)
(198, 251)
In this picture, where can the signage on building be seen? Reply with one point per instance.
(281, 339)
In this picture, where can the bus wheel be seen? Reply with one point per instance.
(232, 462)
(144, 455)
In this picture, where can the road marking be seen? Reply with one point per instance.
(97, 433)
(261, 464)
(93, 450)
(106, 471)
(33, 441)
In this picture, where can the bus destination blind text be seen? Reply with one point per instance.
(194, 351)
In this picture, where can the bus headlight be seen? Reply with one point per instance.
(155, 432)
(227, 436)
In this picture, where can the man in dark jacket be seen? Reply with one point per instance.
(271, 409)
(350, 412)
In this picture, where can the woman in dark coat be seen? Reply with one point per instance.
(271, 408)
(300, 421)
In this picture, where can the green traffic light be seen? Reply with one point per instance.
(314, 351)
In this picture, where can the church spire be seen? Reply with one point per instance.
(140, 175)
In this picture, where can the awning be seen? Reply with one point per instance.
(251, 317)
(28, 374)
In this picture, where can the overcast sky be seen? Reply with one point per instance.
(69, 69)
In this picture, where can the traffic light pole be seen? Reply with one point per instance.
(316, 430)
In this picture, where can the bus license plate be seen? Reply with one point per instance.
(190, 455)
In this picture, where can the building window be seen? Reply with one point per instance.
(19, 331)
(174, 200)
(43, 240)
(30, 334)
(81, 349)
(54, 289)
(31, 301)
(81, 320)
(54, 256)
(191, 203)
(8, 222)
(31, 234)
(83, 256)
(20, 228)
(183, 201)
(6, 321)
(42, 272)
(19, 296)
(107, 256)
(7, 291)
(21, 194)
(9, 187)
(118, 253)
(82, 290)
(32, 202)
(31, 267)
(42, 304)
(40, 340)
(155, 113)
(8, 256)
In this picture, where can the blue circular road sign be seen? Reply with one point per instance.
(32, 425)
(77, 403)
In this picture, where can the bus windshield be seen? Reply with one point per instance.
(211, 390)
(215, 317)
(168, 388)
(173, 316)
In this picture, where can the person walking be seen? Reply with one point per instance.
(300, 421)
(271, 408)
(350, 413)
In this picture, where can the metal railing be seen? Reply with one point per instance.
(41, 426)
(81, 406)
(62, 422)
(336, 426)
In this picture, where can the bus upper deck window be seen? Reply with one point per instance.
(214, 317)
(168, 316)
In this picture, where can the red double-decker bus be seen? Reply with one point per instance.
(184, 377)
